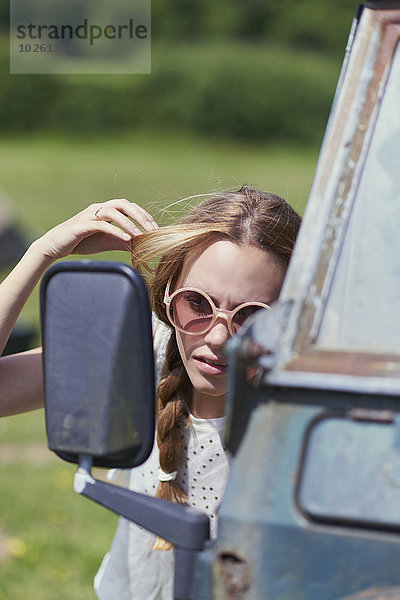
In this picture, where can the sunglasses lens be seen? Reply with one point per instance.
(191, 311)
(243, 314)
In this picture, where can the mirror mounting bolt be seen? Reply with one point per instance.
(83, 475)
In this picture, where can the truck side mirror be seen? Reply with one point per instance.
(98, 363)
(100, 396)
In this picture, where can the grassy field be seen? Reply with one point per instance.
(52, 541)
(49, 179)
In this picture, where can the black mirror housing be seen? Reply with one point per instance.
(98, 363)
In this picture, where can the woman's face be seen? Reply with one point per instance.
(231, 275)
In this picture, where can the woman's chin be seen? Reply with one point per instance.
(208, 386)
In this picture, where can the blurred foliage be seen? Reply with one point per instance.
(257, 70)
(322, 25)
(240, 91)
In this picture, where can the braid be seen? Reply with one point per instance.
(172, 414)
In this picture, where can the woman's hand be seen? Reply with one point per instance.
(99, 227)
(106, 226)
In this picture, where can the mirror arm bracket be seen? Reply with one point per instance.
(186, 528)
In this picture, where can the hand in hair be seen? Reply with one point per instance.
(100, 227)
(107, 226)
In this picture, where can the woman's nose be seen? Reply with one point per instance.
(219, 333)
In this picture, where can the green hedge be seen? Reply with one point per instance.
(242, 91)
(322, 25)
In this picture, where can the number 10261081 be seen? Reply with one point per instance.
(36, 48)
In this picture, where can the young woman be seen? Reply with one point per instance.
(226, 260)
(223, 262)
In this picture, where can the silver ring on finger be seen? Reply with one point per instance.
(96, 214)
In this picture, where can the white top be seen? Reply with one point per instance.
(132, 570)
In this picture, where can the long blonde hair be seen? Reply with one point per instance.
(245, 217)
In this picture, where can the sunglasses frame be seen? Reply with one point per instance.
(217, 312)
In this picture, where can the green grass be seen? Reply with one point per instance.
(49, 179)
(51, 540)
(28, 428)
(57, 539)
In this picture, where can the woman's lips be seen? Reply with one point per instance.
(211, 366)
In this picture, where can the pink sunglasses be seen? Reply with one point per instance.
(193, 312)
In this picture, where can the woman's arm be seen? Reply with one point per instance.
(21, 387)
(100, 227)
(18, 286)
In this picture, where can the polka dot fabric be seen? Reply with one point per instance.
(205, 467)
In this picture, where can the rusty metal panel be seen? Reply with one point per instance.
(386, 593)
(350, 472)
(344, 277)
(267, 549)
(361, 312)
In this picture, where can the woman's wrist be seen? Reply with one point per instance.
(18, 285)
(41, 252)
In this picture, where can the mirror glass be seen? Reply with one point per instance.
(98, 363)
